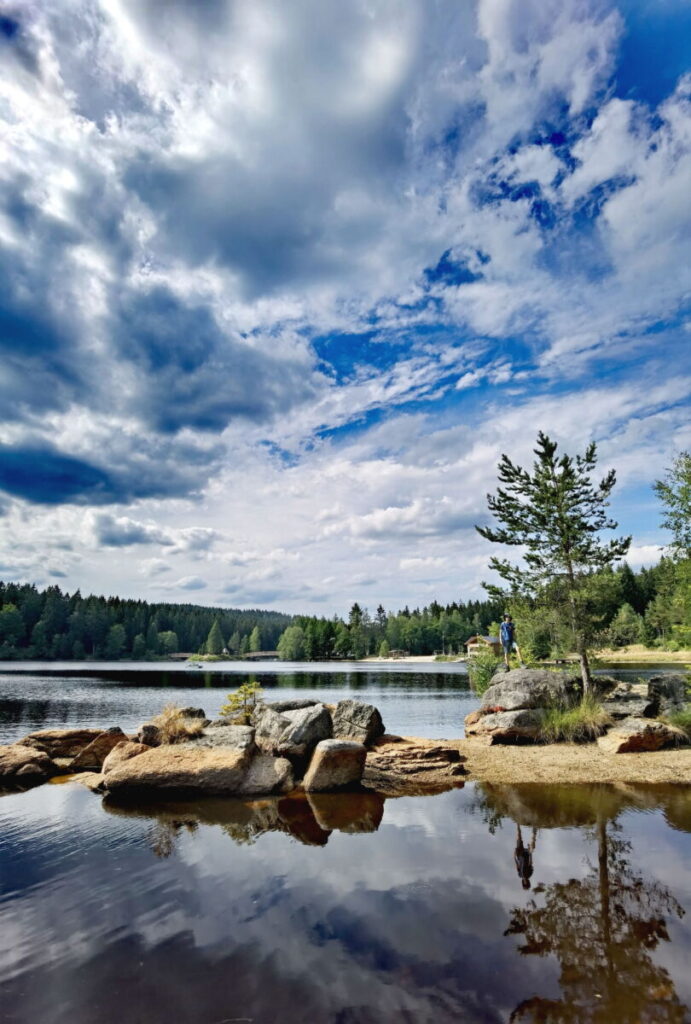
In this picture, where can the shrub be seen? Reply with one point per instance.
(174, 727)
(481, 668)
(581, 723)
(240, 704)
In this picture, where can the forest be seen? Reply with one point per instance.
(52, 625)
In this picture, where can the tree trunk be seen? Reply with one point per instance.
(578, 633)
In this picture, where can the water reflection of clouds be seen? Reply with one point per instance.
(406, 921)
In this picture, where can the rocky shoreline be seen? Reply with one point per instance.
(305, 748)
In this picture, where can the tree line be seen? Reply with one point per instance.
(50, 624)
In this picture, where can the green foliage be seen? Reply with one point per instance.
(241, 703)
(481, 668)
(680, 719)
(168, 642)
(291, 645)
(139, 647)
(214, 641)
(626, 627)
(581, 723)
(384, 649)
(556, 514)
(675, 494)
(116, 641)
(255, 640)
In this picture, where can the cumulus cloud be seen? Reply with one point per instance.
(258, 261)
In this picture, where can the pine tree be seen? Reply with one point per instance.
(214, 641)
(555, 513)
(675, 494)
(256, 639)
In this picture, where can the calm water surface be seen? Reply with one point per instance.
(481, 904)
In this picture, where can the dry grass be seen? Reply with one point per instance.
(639, 653)
(680, 720)
(174, 727)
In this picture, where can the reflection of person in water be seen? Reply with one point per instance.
(523, 856)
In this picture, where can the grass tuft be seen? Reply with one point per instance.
(680, 720)
(174, 727)
(581, 723)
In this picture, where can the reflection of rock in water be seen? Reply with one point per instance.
(310, 821)
(602, 928)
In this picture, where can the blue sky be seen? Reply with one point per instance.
(280, 282)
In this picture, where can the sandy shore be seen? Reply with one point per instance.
(572, 763)
(639, 653)
(411, 659)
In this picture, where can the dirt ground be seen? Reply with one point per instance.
(570, 762)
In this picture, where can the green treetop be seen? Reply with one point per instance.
(675, 494)
(214, 641)
(555, 513)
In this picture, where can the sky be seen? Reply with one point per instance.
(280, 282)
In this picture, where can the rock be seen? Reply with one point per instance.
(149, 734)
(291, 705)
(470, 720)
(668, 691)
(357, 721)
(95, 753)
(293, 734)
(524, 688)
(22, 765)
(61, 742)
(510, 726)
(631, 706)
(173, 770)
(306, 728)
(121, 753)
(335, 764)
(398, 767)
(348, 812)
(640, 734)
(93, 781)
(269, 727)
(266, 775)
(193, 713)
(233, 737)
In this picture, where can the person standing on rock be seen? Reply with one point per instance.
(507, 635)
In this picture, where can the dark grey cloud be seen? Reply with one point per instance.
(114, 532)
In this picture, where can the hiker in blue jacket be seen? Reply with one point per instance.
(507, 635)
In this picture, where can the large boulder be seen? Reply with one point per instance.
(121, 753)
(292, 734)
(669, 692)
(634, 735)
(410, 767)
(518, 726)
(266, 775)
(94, 754)
(630, 705)
(194, 713)
(524, 688)
(22, 766)
(233, 737)
(60, 742)
(354, 720)
(174, 770)
(335, 764)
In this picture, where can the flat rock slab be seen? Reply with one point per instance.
(92, 781)
(94, 754)
(335, 764)
(24, 766)
(232, 737)
(61, 742)
(291, 705)
(634, 735)
(179, 769)
(413, 767)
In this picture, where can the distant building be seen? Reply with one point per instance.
(483, 643)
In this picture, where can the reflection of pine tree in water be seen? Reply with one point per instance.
(602, 929)
(163, 835)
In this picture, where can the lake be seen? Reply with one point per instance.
(487, 904)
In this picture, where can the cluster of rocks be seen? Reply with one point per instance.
(514, 709)
(300, 744)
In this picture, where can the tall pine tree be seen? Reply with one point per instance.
(556, 514)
